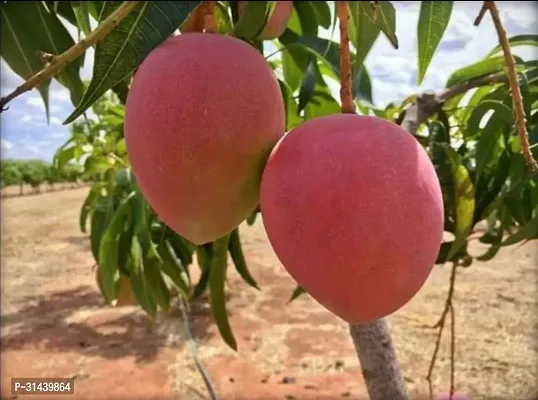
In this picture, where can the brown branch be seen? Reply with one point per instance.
(514, 86)
(441, 325)
(428, 103)
(481, 14)
(62, 60)
(521, 120)
(348, 106)
(211, 23)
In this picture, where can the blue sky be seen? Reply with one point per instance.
(25, 133)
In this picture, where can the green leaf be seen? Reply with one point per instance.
(204, 261)
(56, 40)
(294, 64)
(85, 209)
(361, 88)
(138, 281)
(155, 282)
(326, 50)
(234, 246)
(463, 198)
(19, 45)
(99, 222)
(307, 87)
(82, 15)
(307, 17)
(501, 111)
(124, 49)
(519, 40)
(480, 68)
(296, 293)
(108, 249)
(385, 20)
(323, 13)
(172, 267)
(216, 288)
(488, 141)
(528, 231)
(432, 23)
(366, 31)
(124, 246)
(182, 249)
(252, 19)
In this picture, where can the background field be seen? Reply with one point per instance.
(53, 320)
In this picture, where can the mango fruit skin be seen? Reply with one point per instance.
(277, 21)
(202, 115)
(353, 208)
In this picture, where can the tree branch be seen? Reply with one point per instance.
(429, 103)
(440, 324)
(521, 120)
(348, 106)
(62, 60)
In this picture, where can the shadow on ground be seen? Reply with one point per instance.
(77, 320)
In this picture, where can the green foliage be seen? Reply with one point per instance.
(35, 173)
(472, 141)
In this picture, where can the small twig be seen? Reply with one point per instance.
(211, 23)
(194, 351)
(481, 14)
(62, 60)
(521, 120)
(348, 106)
(452, 350)
(441, 324)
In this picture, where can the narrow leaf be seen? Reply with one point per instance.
(138, 281)
(432, 23)
(234, 246)
(85, 209)
(463, 198)
(480, 68)
(366, 31)
(296, 293)
(218, 295)
(172, 267)
(108, 249)
(519, 40)
(252, 19)
(323, 13)
(124, 49)
(82, 15)
(385, 19)
(528, 231)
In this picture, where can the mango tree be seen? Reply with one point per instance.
(480, 152)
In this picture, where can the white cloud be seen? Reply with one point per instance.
(6, 145)
(59, 135)
(55, 121)
(35, 101)
(33, 150)
(60, 94)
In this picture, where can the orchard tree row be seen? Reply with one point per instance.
(37, 174)
(183, 149)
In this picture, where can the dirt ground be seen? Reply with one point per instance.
(53, 324)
